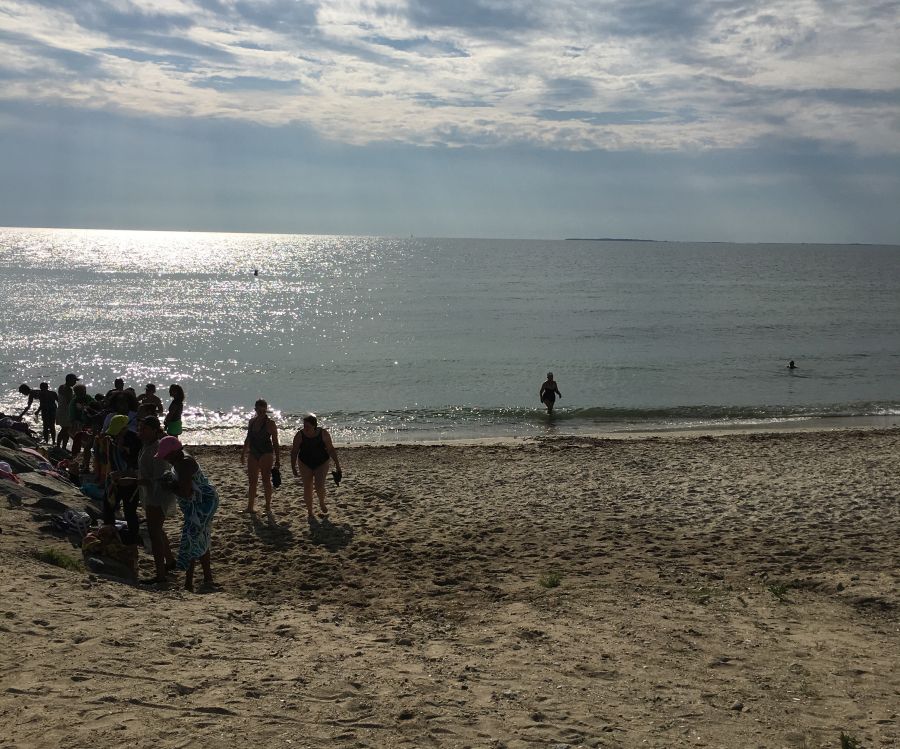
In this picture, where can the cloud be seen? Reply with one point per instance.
(246, 83)
(652, 75)
(420, 45)
(477, 16)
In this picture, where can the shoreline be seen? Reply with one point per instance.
(830, 424)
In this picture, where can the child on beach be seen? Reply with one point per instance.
(199, 501)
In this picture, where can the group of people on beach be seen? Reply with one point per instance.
(78, 414)
(138, 460)
(130, 458)
(126, 455)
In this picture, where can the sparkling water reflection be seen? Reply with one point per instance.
(394, 338)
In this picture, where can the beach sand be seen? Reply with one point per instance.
(719, 591)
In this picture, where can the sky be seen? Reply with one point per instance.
(703, 120)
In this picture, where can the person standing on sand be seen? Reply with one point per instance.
(122, 449)
(172, 421)
(149, 396)
(65, 393)
(47, 410)
(310, 454)
(118, 388)
(262, 445)
(157, 498)
(549, 392)
(199, 501)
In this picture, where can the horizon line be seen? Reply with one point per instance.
(460, 236)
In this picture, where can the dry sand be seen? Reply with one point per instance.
(731, 591)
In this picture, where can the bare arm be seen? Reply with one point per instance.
(295, 451)
(329, 448)
(273, 431)
(246, 446)
(30, 401)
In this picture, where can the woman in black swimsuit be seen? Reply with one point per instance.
(309, 459)
(549, 392)
(262, 445)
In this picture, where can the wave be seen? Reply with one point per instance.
(465, 422)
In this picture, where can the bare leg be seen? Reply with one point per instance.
(265, 470)
(189, 576)
(253, 478)
(207, 568)
(321, 473)
(308, 478)
(159, 542)
(86, 461)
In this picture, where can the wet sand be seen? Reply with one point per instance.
(733, 590)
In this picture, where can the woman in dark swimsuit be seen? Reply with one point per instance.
(309, 459)
(549, 392)
(262, 445)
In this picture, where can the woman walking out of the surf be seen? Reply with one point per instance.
(549, 392)
(260, 452)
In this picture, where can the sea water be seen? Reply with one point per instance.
(391, 339)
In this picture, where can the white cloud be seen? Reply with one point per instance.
(623, 74)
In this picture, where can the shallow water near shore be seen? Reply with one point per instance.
(439, 339)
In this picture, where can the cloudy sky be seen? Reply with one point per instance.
(760, 120)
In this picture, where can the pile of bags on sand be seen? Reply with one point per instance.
(49, 484)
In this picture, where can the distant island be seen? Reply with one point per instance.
(608, 239)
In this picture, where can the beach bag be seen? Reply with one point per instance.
(276, 478)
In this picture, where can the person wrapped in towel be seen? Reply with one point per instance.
(198, 501)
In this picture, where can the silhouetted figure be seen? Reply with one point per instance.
(791, 364)
(549, 392)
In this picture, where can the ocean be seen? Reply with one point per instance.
(398, 339)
